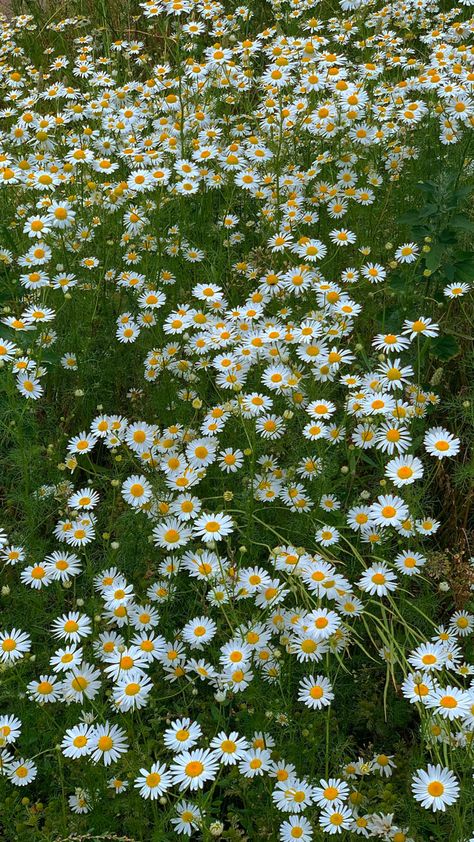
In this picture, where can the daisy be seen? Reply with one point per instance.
(72, 626)
(230, 460)
(82, 443)
(388, 342)
(182, 735)
(61, 566)
(296, 827)
(14, 645)
(10, 729)
(194, 768)
(330, 791)
(230, 748)
(428, 656)
(462, 623)
(327, 535)
(213, 527)
(171, 534)
(76, 741)
(292, 796)
(199, 631)
(449, 702)
(436, 788)
(108, 743)
(456, 290)
(440, 443)
(188, 819)
(21, 772)
(44, 690)
(404, 470)
(237, 652)
(321, 623)
(388, 510)
(153, 782)
(37, 576)
(82, 682)
(136, 490)
(422, 326)
(255, 762)
(407, 253)
(384, 765)
(409, 562)
(315, 692)
(378, 580)
(131, 691)
(29, 386)
(336, 819)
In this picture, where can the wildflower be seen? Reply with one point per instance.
(192, 769)
(315, 692)
(154, 782)
(436, 788)
(440, 443)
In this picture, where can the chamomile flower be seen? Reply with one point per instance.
(192, 769)
(14, 645)
(213, 527)
(315, 692)
(441, 443)
(108, 743)
(153, 782)
(21, 772)
(378, 580)
(404, 470)
(436, 788)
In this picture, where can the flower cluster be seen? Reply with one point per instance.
(248, 513)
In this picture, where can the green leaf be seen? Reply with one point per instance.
(433, 258)
(410, 218)
(398, 282)
(445, 347)
(462, 223)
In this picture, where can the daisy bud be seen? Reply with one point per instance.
(106, 536)
(444, 587)
(220, 696)
(344, 469)
(5, 590)
(79, 393)
(115, 545)
(115, 483)
(228, 496)
(79, 602)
